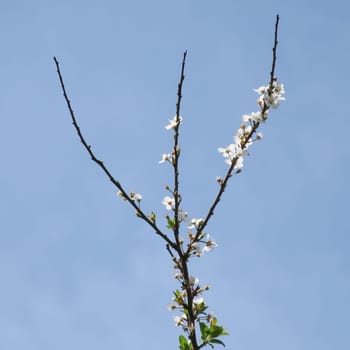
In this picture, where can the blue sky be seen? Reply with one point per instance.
(78, 270)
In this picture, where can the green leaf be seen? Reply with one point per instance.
(217, 341)
(213, 322)
(201, 307)
(182, 340)
(201, 236)
(184, 343)
(171, 223)
(152, 217)
(177, 297)
(204, 330)
(216, 331)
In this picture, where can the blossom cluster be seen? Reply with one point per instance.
(269, 96)
(198, 304)
(198, 245)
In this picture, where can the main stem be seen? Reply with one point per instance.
(182, 256)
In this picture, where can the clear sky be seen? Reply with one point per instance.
(77, 269)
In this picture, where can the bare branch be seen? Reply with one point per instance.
(274, 52)
(116, 183)
(176, 151)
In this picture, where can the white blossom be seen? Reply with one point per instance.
(138, 197)
(260, 89)
(179, 320)
(168, 202)
(198, 300)
(174, 122)
(194, 223)
(239, 164)
(229, 151)
(166, 157)
(257, 117)
(253, 117)
(193, 280)
(135, 196)
(197, 249)
(182, 215)
(248, 129)
(234, 151)
(246, 118)
(271, 97)
(209, 244)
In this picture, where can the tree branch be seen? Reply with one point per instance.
(116, 183)
(176, 152)
(255, 126)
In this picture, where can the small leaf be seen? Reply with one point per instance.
(184, 343)
(204, 330)
(152, 217)
(201, 236)
(171, 223)
(182, 340)
(217, 341)
(201, 307)
(216, 331)
(213, 322)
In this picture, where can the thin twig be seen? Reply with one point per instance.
(116, 183)
(274, 53)
(221, 189)
(176, 152)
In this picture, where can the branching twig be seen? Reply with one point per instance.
(116, 183)
(188, 301)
